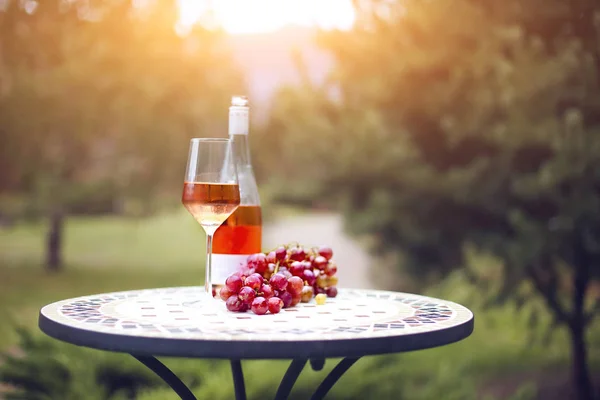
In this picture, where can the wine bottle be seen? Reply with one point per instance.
(241, 234)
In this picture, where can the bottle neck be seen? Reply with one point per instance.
(241, 150)
(239, 116)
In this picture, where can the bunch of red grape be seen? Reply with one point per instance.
(280, 279)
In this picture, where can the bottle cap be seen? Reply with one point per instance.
(239, 101)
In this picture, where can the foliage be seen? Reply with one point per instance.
(478, 130)
(114, 95)
(50, 370)
(98, 101)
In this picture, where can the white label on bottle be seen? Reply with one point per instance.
(224, 265)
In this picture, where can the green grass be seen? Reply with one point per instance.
(101, 254)
(165, 241)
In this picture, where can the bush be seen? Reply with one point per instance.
(50, 370)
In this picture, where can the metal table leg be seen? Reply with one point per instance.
(289, 379)
(317, 364)
(168, 376)
(283, 392)
(333, 377)
(295, 368)
(238, 380)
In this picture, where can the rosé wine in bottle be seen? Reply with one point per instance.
(241, 234)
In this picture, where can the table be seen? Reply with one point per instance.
(183, 322)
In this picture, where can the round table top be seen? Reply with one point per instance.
(184, 322)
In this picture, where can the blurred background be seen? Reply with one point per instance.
(449, 147)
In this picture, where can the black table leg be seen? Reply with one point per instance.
(283, 392)
(289, 379)
(317, 364)
(168, 376)
(333, 377)
(238, 380)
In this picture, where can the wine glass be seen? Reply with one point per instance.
(211, 192)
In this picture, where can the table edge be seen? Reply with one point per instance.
(250, 349)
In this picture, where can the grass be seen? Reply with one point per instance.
(113, 254)
(101, 255)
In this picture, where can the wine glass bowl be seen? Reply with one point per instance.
(211, 190)
(210, 203)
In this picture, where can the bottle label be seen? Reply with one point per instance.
(224, 265)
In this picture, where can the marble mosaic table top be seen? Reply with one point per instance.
(184, 322)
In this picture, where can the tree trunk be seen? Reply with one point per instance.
(54, 242)
(581, 375)
(577, 323)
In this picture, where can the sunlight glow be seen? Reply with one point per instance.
(258, 16)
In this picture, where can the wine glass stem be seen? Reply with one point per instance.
(207, 281)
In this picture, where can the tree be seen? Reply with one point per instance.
(99, 102)
(480, 129)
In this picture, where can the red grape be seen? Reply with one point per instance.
(259, 306)
(241, 273)
(266, 290)
(295, 285)
(234, 283)
(286, 297)
(331, 269)
(278, 281)
(285, 272)
(297, 254)
(295, 299)
(307, 294)
(271, 257)
(297, 268)
(318, 290)
(331, 291)
(225, 293)
(254, 281)
(234, 304)
(307, 264)
(302, 273)
(275, 304)
(326, 252)
(309, 276)
(246, 295)
(258, 262)
(320, 262)
(280, 253)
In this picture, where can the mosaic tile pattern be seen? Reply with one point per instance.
(187, 313)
